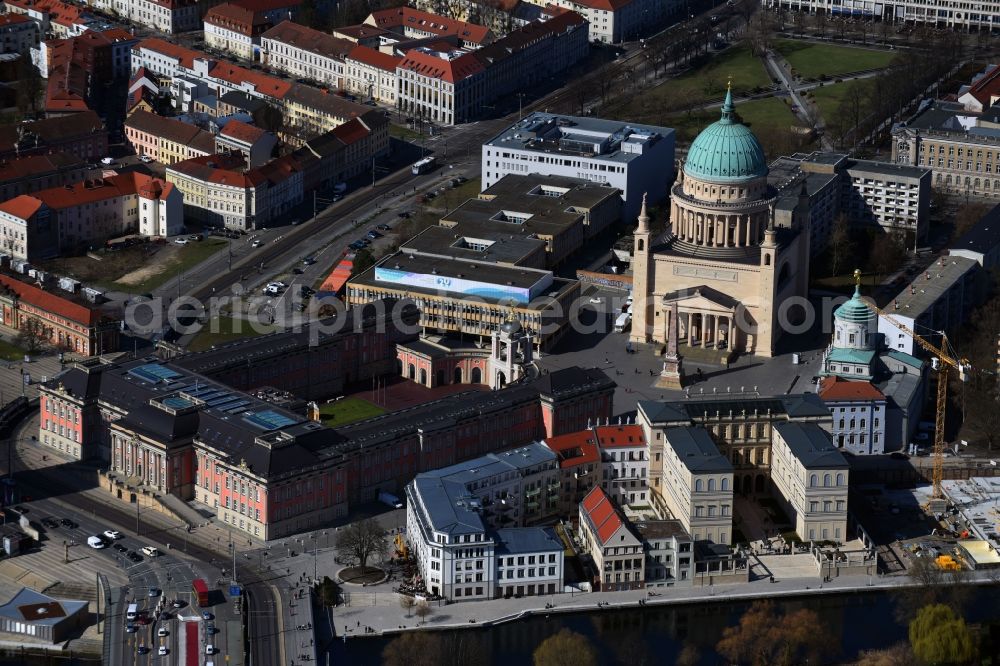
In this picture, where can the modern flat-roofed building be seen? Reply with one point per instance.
(635, 159)
(938, 299)
(470, 297)
(35, 616)
(811, 478)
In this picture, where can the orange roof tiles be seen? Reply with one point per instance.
(450, 70)
(838, 388)
(265, 85)
(415, 19)
(23, 206)
(241, 131)
(370, 56)
(11, 19)
(267, 5)
(352, 131)
(171, 129)
(603, 515)
(612, 436)
(184, 55)
(49, 302)
(575, 448)
(236, 18)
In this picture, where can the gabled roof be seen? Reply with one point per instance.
(696, 450)
(451, 69)
(271, 86)
(241, 131)
(183, 55)
(233, 17)
(987, 86)
(603, 516)
(373, 58)
(615, 436)
(23, 206)
(309, 39)
(44, 300)
(837, 388)
(171, 129)
(574, 448)
(415, 19)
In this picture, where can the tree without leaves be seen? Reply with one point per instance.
(32, 336)
(407, 603)
(414, 648)
(566, 648)
(423, 610)
(29, 85)
(887, 254)
(840, 244)
(938, 636)
(363, 540)
(689, 655)
(897, 655)
(765, 637)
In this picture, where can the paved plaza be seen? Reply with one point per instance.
(636, 373)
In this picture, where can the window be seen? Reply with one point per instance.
(813, 482)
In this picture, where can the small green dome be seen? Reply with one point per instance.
(726, 151)
(855, 311)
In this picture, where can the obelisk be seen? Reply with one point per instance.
(672, 375)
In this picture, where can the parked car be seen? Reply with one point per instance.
(145, 159)
(66, 522)
(257, 243)
(113, 534)
(181, 241)
(120, 548)
(298, 271)
(386, 227)
(106, 161)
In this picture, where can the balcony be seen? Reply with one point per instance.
(533, 492)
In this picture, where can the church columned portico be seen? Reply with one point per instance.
(725, 260)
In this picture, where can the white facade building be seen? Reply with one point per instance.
(698, 484)
(624, 463)
(614, 21)
(982, 15)
(859, 415)
(463, 527)
(303, 52)
(636, 159)
(811, 477)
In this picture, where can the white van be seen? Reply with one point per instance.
(132, 612)
(95, 542)
(623, 322)
(149, 551)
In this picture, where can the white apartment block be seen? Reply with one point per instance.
(962, 14)
(302, 52)
(612, 22)
(896, 197)
(169, 16)
(463, 527)
(228, 27)
(371, 74)
(811, 477)
(636, 159)
(697, 484)
(624, 463)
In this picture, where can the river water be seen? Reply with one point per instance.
(856, 622)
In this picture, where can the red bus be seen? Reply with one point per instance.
(201, 591)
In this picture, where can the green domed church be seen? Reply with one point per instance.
(722, 264)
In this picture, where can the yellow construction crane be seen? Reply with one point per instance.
(942, 362)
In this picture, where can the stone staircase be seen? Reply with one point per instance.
(708, 356)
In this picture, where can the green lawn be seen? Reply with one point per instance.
(10, 351)
(226, 329)
(810, 61)
(348, 410)
(188, 257)
(698, 86)
(765, 116)
(829, 97)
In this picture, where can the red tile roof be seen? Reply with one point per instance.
(236, 18)
(23, 206)
(373, 58)
(171, 129)
(221, 169)
(837, 388)
(89, 191)
(119, 35)
(11, 19)
(352, 131)
(49, 302)
(185, 56)
(309, 39)
(603, 515)
(271, 86)
(451, 70)
(575, 448)
(987, 86)
(241, 131)
(20, 168)
(613, 436)
(415, 19)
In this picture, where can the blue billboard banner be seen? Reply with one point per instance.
(453, 285)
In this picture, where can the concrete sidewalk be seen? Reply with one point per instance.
(387, 617)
